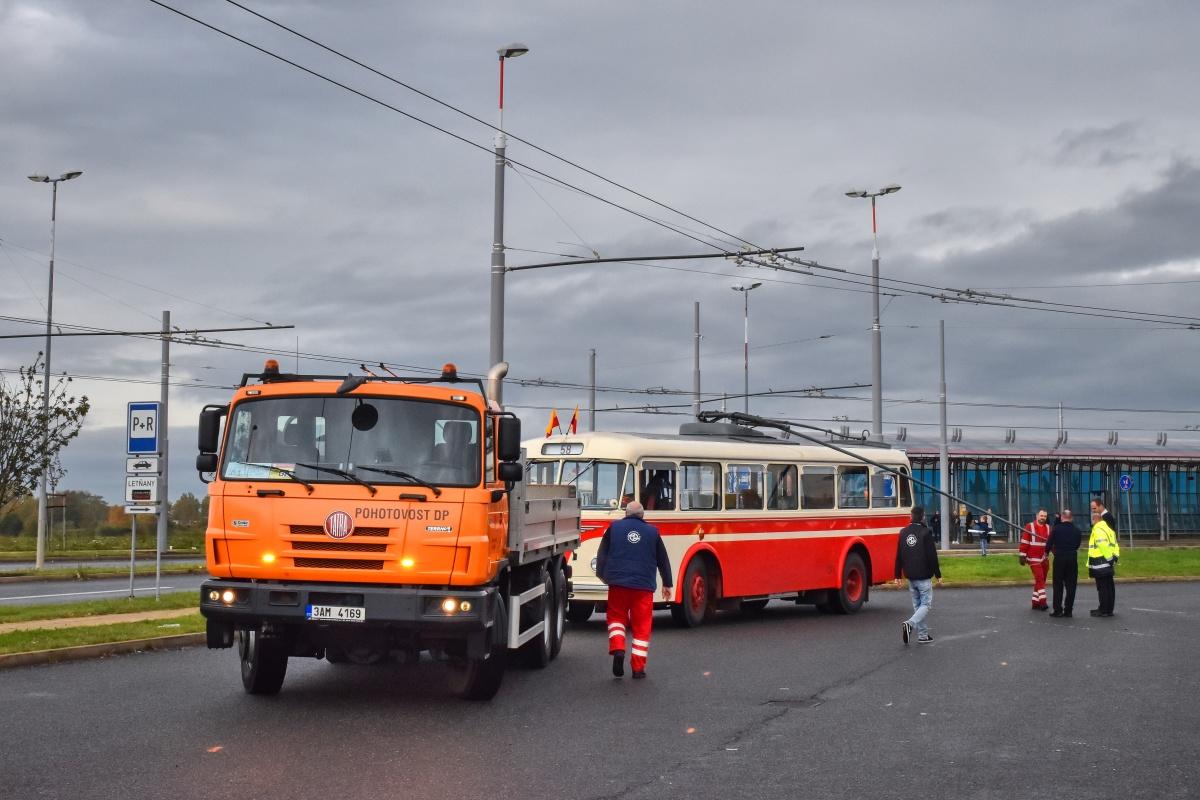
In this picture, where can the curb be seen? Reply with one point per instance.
(889, 586)
(88, 651)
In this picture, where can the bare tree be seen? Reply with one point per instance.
(28, 445)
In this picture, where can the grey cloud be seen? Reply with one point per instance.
(1104, 146)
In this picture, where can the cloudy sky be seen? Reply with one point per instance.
(1046, 152)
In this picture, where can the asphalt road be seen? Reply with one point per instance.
(115, 563)
(1005, 704)
(26, 593)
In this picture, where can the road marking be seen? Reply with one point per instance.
(80, 594)
(1162, 611)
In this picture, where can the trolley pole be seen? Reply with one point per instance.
(696, 362)
(592, 400)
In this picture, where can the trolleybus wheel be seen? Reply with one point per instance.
(264, 662)
(850, 597)
(695, 596)
(579, 611)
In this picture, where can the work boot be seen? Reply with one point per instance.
(618, 664)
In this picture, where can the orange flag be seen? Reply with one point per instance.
(574, 426)
(553, 423)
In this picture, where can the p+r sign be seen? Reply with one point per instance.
(142, 428)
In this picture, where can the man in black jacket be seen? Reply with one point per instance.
(1064, 545)
(917, 559)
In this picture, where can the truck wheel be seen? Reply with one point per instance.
(479, 678)
(535, 653)
(695, 596)
(851, 595)
(580, 612)
(264, 662)
(558, 612)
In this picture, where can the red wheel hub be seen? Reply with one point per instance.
(854, 585)
(697, 593)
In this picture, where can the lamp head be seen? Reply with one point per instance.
(891, 188)
(513, 50)
(40, 178)
(66, 176)
(857, 193)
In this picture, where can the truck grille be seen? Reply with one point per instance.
(337, 563)
(342, 547)
(317, 530)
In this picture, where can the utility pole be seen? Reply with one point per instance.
(944, 448)
(745, 290)
(592, 401)
(164, 451)
(696, 363)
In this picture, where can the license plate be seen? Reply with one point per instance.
(335, 613)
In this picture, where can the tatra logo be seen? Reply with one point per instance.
(634, 537)
(911, 541)
(339, 525)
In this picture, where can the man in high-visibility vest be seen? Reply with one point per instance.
(1103, 553)
(1032, 552)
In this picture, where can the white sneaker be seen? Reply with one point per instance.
(905, 631)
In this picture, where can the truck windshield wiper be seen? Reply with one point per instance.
(281, 471)
(341, 472)
(408, 476)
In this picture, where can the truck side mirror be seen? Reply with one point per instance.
(209, 434)
(510, 471)
(509, 445)
(206, 462)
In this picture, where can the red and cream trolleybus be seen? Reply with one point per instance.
(746, 517)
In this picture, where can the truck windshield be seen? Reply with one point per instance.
(392, 440)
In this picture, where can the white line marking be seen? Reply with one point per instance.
(80, 594)
(1162, 611)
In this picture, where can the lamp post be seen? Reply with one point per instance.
(876, 343)
(40, 559)
(745, 290)
(496, 332)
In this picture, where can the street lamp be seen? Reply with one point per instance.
(876, 343)
(42, 511)
(745, 290)
(497, 310)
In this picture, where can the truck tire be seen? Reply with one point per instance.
(535, 654)
(852, 593)
(558, 611)
(579, 611)
(479, 678)
(264, 662)
(695, 596)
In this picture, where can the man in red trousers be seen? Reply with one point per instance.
(1033, 552)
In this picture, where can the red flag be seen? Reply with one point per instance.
(553, 423)
(574, 426)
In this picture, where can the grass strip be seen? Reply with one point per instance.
(1156, 562)
(90, 608)
(115, 569)
(28, 641)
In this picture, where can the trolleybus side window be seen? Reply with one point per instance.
(782, 494)
(701, 482)
(883, 489)
(543, 472)
(599, 484)
(852, 487)
(656, 481)
(816, 487)
(906, 499)
(744, 486)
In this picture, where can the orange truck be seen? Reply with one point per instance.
(373, 518)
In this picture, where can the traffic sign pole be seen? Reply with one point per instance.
(1126, 483)
(132, 551)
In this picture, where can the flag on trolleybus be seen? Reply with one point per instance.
(553, 423)
(574, 426)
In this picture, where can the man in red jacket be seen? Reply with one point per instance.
(1032, 551)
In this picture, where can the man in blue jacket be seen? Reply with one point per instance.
(630, 550)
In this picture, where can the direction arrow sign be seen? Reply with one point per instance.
(141, 509)
(142, 465)
(142, 428)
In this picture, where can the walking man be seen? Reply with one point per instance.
(1064, 543)
(1103, 553)
(1032, 551)
(917, 560)
(630, 550)
(983, 530)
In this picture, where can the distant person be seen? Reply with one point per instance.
(983, 530)
(1103, 554)
(630, 550)
(1064, 542)
(1099, 508)
(917, 560)
(935, 524)
(1032, 553)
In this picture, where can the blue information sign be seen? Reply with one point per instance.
(141, 425)
(1126, 483)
